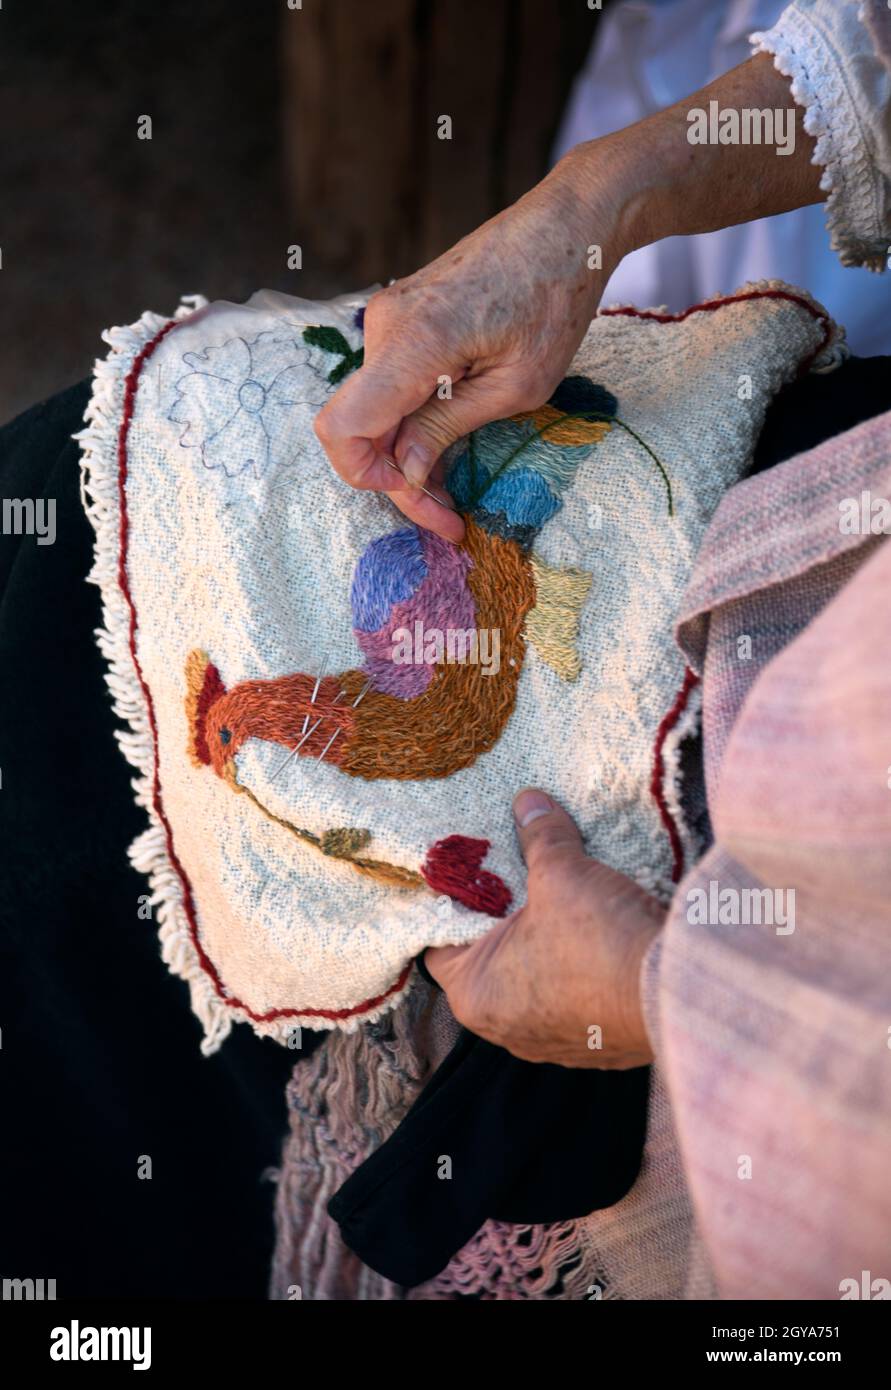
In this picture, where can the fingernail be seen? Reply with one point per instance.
(416, 464)
(529, 806)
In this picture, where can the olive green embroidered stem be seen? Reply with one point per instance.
(657, 462)
(575, 415)
(343, 843)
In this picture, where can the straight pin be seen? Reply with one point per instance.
(306, 732)
(315, 691)
(321, 756)
(362, 693)
(294, 751)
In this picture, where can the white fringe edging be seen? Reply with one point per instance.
(100, 497)
(805, 53)
(99, 490)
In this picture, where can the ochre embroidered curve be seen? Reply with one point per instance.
(560, 430)
(337, 844)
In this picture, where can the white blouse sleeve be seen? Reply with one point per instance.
(838, 55)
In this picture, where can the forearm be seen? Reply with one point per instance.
(672, 187)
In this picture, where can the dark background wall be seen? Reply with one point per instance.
(270, 126)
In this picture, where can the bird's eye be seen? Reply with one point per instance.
(225, 735)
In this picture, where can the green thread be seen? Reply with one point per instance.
(552, 424)
(657, 462)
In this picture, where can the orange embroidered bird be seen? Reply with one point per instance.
(437, 710)
(423, 705)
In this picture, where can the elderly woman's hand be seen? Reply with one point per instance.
(497, 319)
(558, 981)
(485, 331)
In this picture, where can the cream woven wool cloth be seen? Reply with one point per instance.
(330, 710)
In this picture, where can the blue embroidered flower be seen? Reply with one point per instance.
(238, 400)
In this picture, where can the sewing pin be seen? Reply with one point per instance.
(321, 756)
(362, 693)
(294, 751)
(315, 691)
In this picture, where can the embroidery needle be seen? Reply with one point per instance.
(362, 693)
(395, 466)
(321, 756)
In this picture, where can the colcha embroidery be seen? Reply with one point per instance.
(416, 720)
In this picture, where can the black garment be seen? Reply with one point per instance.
(524, 1142)
(817, 407)
(532, 1143)
(100, 1062)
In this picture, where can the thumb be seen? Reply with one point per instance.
(426, 433)
(546, 832)
(358, 423)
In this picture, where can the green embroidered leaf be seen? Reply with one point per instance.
(332, 340)
(328, 339)
(347, 365)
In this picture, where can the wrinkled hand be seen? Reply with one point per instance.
(499, 316)
(546, 979)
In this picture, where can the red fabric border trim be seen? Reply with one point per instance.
(657, 781)
(130, 389)
(819, 314)
(690, 679)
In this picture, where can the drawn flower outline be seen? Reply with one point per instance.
(238, 398)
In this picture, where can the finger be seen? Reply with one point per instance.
(426, 433)
(439, 517)
(454, 967)
(546, 832)
(364, 403)
(443, 963)
(369, 407)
